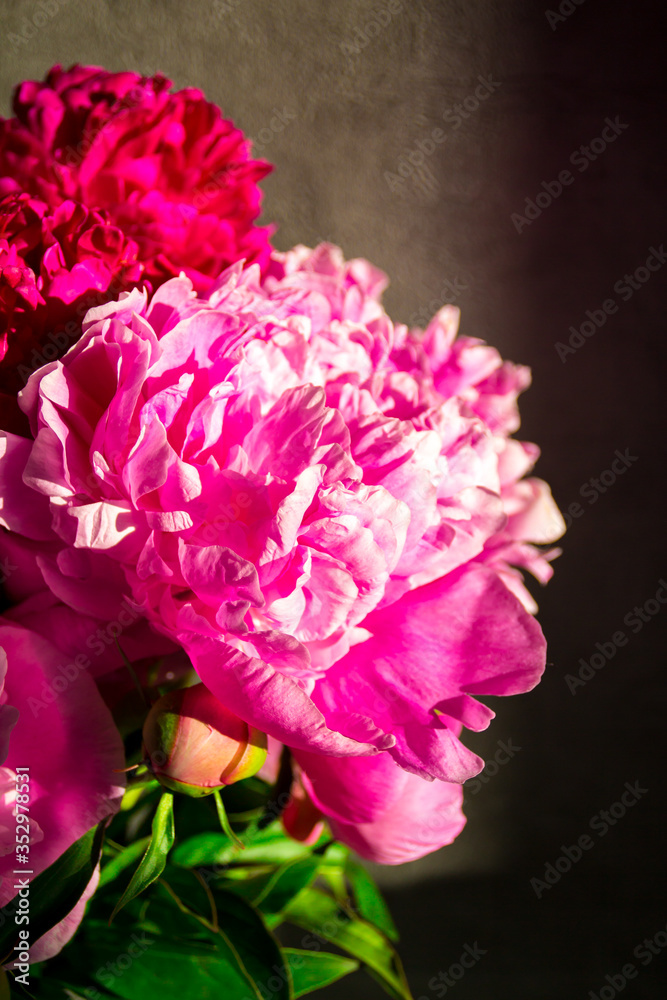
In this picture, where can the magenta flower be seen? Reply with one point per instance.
(108, 179)
(67, 739)
(54, 264)
(383, 812)
(324, 509)
(171, 173)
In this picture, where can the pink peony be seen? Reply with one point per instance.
(49, 944)
(87, 641)
(71, 747)
(324, 508)
(383, 812)
(172, 174)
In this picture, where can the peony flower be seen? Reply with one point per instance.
(49, 944)
(383, 812)
(88, 642)
(70, 747)
(171, 173)
(54, 264)
(323, 508)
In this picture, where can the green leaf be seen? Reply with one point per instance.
(316, 911)
(334, 878)
(247, 936)
(167, 968)
(152, 864)
(134, 793)
(238, 958)
(55, 891)
(287, 880)
(113, 868)
(334, 853)
(312, 970)
(369, 903)
(188, 887)
(268, 846)
(270, 890)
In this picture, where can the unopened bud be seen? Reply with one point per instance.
(193, 744)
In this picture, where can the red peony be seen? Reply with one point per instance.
(55, 264)
(170, 171)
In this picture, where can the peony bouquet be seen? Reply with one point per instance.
(262, 552)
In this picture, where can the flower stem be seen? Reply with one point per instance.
(224, 822)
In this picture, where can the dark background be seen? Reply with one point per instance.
(357, 117)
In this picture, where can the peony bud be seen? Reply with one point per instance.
(194, 745)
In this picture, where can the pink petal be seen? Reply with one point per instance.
(274, 702)
(465, 634)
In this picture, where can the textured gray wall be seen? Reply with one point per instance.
(353, 122)
(357, 116)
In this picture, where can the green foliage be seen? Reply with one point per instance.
(122, 859)
(311, 970)
(368, 900)
(202, 913)
(320, 913)
(54, 892)
(152, 864)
